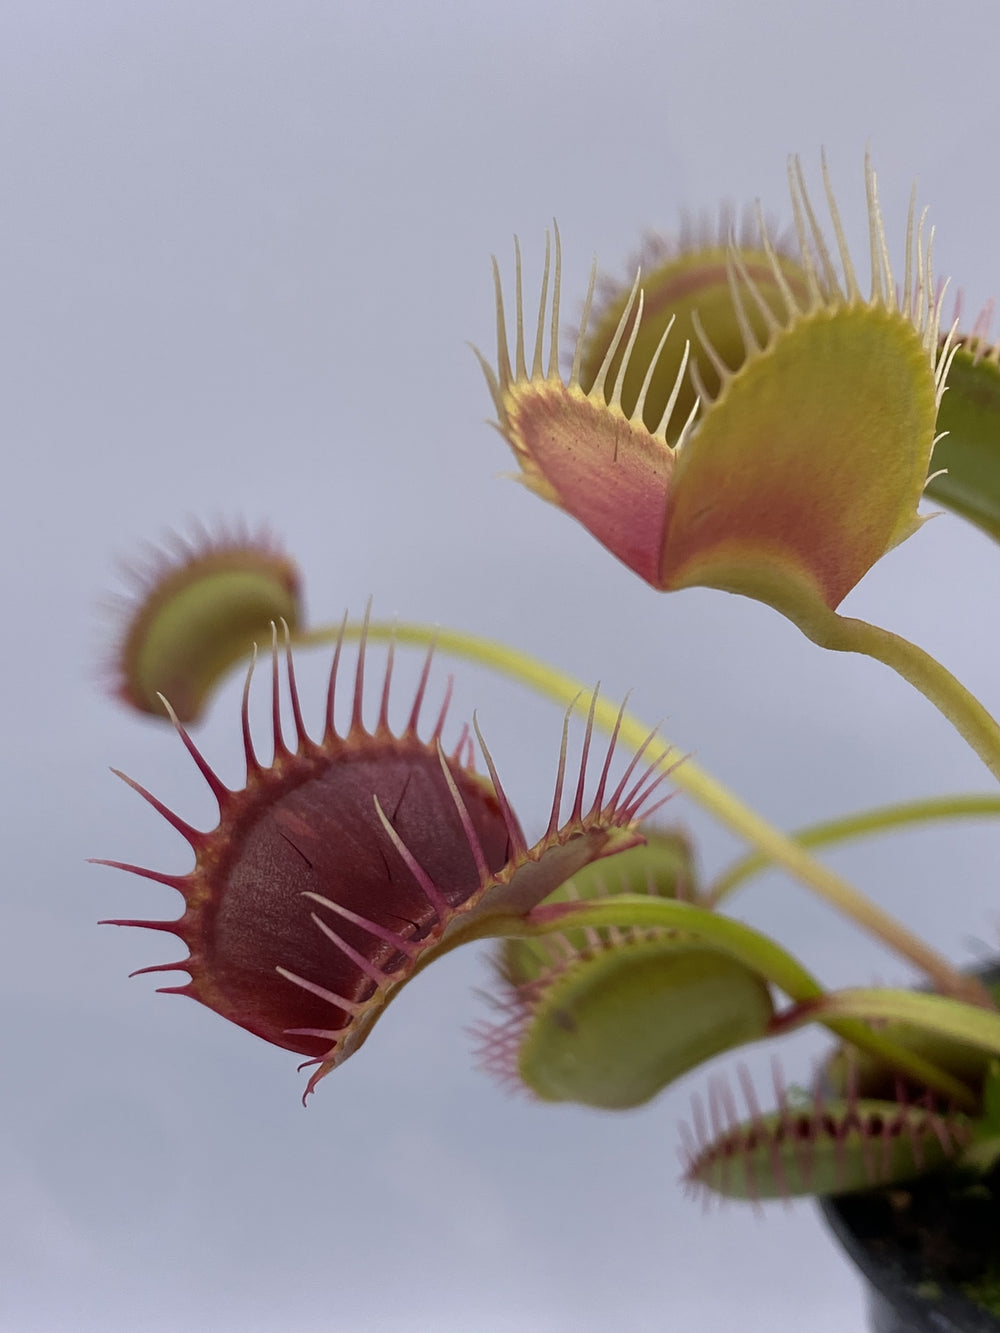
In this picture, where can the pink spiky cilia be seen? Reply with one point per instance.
(348, 863)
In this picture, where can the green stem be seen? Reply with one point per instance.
(855, 826)
(844, 634)
(937, 1014)
(763, 955)
(687, 776)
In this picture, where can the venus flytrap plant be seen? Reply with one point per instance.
(741, 417)
(317, 827)
(772, 486)
(297, 833)
(404, 849)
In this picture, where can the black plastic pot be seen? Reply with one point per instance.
(904, 1296)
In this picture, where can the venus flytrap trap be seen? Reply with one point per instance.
(590, 1015)
(199, 608)
(770, 486)
(403, 848)
(742, 416)
(825, 1147)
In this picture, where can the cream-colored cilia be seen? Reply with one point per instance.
(803, 466)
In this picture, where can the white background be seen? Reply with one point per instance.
(242, 247)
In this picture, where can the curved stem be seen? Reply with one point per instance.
(938, 1014)
(844, 634)
(687, 776)
(855, 826)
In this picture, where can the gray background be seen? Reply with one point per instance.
(242, 248)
